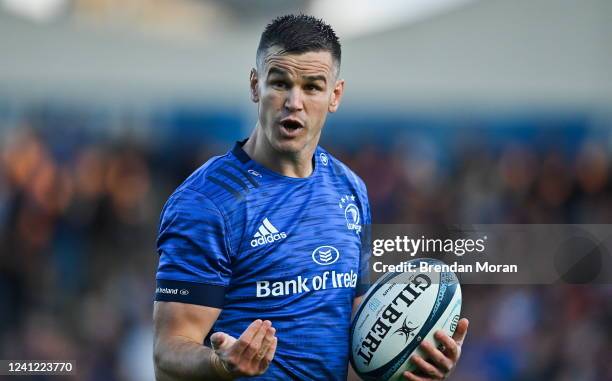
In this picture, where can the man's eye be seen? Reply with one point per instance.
(280, 84)
(313, 88)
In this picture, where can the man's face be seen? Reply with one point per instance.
(295, 92)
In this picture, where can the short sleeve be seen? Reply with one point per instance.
(194, 256)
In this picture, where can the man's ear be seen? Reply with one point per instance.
(336, 96)
(254, 82)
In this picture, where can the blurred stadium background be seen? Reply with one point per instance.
(456, 111)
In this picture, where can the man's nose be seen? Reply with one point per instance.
(294, 101)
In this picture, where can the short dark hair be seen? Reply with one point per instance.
(299, 34)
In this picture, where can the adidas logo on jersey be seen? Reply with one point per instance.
(267, 233)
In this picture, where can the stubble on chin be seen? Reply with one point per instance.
(288, 148)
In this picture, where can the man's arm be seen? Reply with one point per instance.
(179, 353)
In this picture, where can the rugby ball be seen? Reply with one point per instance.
(400, 311)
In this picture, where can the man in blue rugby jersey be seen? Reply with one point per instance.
(261, 254)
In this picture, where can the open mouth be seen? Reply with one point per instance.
(291, 125)
(290, 128)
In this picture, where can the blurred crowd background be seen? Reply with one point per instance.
(460, 112)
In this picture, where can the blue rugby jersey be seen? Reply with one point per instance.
(260, 245)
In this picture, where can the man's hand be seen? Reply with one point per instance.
(249, 355)
(440, 362)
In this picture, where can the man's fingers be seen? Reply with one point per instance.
(255, 345)
(217, 340)
(413, 377)
(272, 350)
(451, 349)
(247, 336)
(266, 343)
(427, 368)
(436, 357)
(266, 353)
(252, 353)
(461, 331)
(251, 330)
(268, 356)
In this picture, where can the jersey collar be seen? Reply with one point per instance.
(239, 152)
(244, 158)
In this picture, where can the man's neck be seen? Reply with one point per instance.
(298, 165)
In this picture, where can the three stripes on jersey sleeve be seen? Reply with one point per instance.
(228, 180)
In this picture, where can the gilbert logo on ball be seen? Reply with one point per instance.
(397, 313)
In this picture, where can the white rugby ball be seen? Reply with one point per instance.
(397, 313)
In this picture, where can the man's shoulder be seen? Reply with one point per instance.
(199, 180)
(217, 182)
(339, 168)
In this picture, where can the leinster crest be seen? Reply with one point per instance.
(351, 213)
